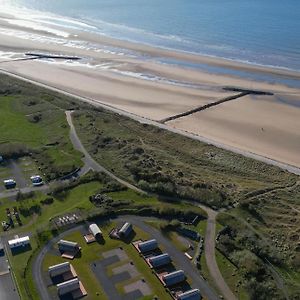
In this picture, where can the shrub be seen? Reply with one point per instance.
(23, 196)
(34, 209)
(47, 201)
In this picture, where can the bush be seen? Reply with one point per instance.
(34, 209)
(24, 196)
(47, 201)
(35, 118)
(170, 226)
(14, 150)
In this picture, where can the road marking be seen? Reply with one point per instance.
(4, 273)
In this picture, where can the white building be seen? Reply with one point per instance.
(190, 295)
(149, 245)
(19, 242)
(160, 260)
(68, 286)
(173, 278)
(59, 269)
(95, 231)
(125, 230)
(64, 245)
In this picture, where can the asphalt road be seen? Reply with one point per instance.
(179, 259)
(8, 290)
(210, 255)
(98, 103)
(37, 264)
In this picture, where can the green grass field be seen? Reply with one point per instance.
(47, 136)
(93, 252)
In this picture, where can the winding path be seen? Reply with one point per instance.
(210, 254)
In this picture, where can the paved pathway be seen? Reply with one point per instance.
(8, 289)
(210, 255)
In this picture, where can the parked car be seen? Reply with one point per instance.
(36, 180)
(5, 225)
(10, 183)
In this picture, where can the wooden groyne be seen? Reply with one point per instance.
(53, 56)
(241, 93)
(250, 92)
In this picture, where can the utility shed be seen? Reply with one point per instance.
(173, 278)
(19, 242)
(148, 245)
(125, 230)
(95, 231)
(59, 269)
(64, 245)
(190, 295)
(160, 260)
(68, 286)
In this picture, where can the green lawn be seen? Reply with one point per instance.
(47, 136)
(15, 127)
(93, 252)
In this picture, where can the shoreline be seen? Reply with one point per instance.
(145, 47)
(265, 125)
(284, 166)
(157, 51)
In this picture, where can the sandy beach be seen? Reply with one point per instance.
(135, 81)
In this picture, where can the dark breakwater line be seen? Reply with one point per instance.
(241, 93)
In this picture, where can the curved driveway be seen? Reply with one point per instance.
(37, 264)
(180, 260)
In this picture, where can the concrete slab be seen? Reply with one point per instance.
(116, 252)
(7, 288)
(140, 285)
(131, 269)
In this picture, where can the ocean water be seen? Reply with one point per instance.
(265, 32)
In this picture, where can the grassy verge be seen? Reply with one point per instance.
(231, 276)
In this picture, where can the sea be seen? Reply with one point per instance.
(262, 32)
